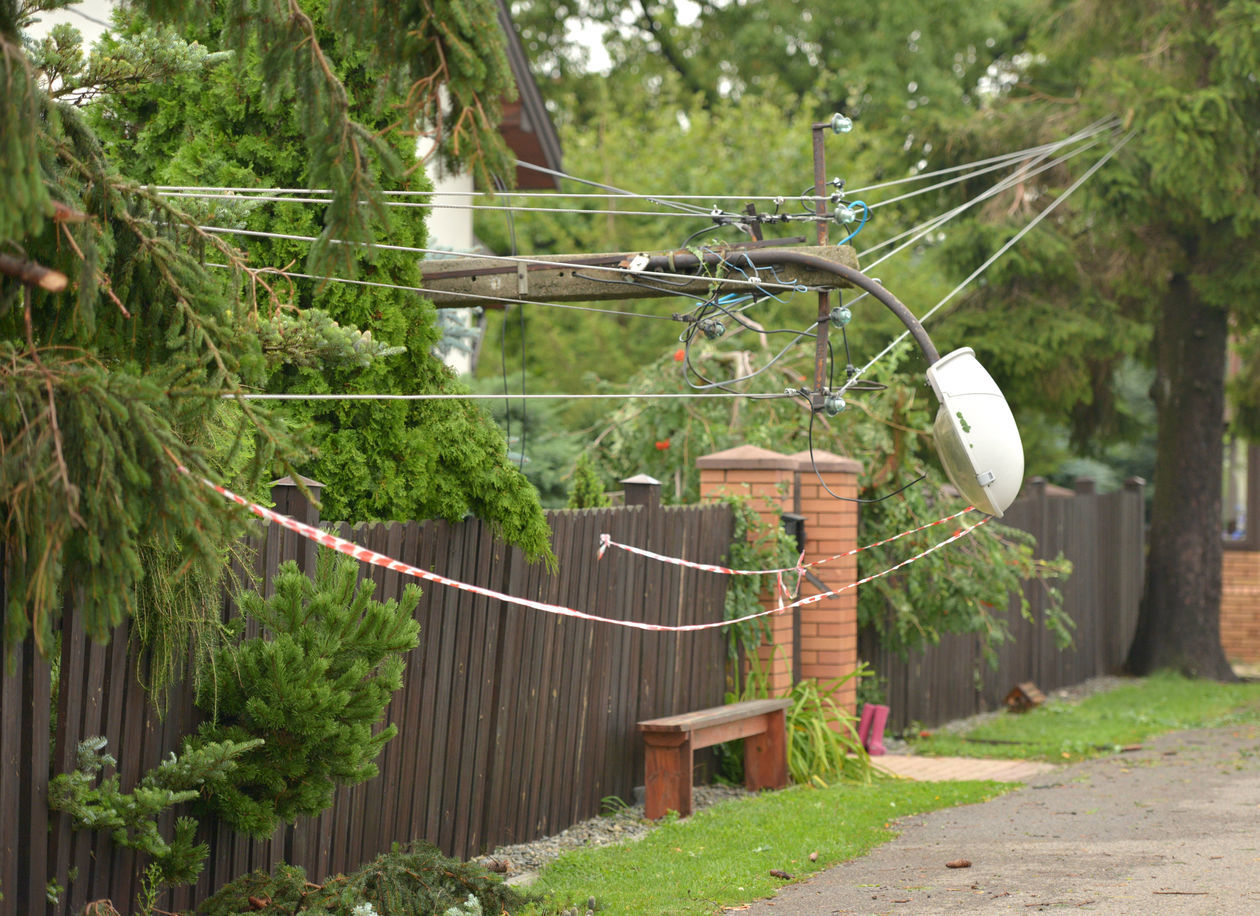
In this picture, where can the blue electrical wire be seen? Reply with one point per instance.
(866, 214)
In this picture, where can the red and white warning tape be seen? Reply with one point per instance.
(364, 555)
(606, 541)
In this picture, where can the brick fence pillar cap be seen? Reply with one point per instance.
(826, 461)
(747, 457)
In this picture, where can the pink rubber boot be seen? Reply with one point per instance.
(864, 726)
(874, 742)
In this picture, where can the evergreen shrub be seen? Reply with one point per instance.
(131, 818)
(416, 880)
(313, 686)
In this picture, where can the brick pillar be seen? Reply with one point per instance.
(768, 478)
(828, 629)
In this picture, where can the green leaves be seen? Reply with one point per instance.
(414, 878)
(377, 460)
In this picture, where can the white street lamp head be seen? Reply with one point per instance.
(976, 436)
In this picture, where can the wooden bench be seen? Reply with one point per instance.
(671, 742)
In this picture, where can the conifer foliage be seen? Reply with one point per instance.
(412, 880)
(312, 686)
(132, 817)
(117, 344)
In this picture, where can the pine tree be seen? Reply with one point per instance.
(131, 818)
(109, 386)
(312, 686)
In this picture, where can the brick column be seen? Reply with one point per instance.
(768, 479)
(828, 629)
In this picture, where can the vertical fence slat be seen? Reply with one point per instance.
(15, 837)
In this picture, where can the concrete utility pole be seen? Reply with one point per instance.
(465, 282)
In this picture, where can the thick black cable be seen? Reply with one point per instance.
(520, 311)
(835, 495)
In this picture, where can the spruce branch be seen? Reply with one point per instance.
(32, 274)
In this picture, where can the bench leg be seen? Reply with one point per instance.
(765, 755)
(667, 775)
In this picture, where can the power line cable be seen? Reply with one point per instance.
(1099, 126)
(520, 311)
(469, 396)
(429, 205)
(961, 178)
(235, 190)
(615, 190)
(930, 225)
(1120, 144)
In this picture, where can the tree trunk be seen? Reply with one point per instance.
(1179, 624)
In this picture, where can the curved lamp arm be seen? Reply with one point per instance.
(768, 257)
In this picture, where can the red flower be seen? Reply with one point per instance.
(680, 355)
(662, 444)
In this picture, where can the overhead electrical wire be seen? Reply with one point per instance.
(241, 192)
(621, 192)
(931, 225)
(968, 176)
(430, 205)
(468, 396)
(1099, 126)
(1032, 223)
(520, 311)
(1025, 171)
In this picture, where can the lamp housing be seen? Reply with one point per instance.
(976, 436)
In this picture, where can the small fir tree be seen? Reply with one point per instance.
(313, 686)
(132, 817)
(587, 490)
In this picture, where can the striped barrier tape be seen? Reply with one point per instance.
(606, 541)
(341, 545)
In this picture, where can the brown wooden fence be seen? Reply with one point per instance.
(513, 724)
(1103, 536)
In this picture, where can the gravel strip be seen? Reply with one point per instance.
(521, 860)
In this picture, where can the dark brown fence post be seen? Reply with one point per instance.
(642, 490)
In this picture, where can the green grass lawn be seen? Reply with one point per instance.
(723, 855)
(1101, 724)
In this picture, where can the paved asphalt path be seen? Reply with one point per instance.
(1172, 828)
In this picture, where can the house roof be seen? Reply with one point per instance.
(526, 126)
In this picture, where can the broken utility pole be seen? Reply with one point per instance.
(634, 275)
